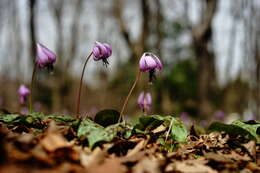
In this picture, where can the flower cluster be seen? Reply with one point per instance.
(145, 101)
(45, 57)
(150, 63)
(102, 51)
(23, 93)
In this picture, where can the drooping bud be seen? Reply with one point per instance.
(102, 51)
(45, 57)
(150, 63)
(145, 101)
(23, 92)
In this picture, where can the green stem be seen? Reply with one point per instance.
(31, 87)
(128, 96)
(80, 85)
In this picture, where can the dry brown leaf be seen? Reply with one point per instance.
(111, 165)
(53, 141)
(159, 129)
(96, 158)
(147, 165)
(193, 166)
(137, 148)
(251, 148)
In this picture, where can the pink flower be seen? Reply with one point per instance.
(150, 63)
(102, 51)
(45, 57)
(145, 101)
(23, 92)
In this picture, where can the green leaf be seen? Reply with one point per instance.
(236, 128)
(107, 117)
(178, 130)
(9, 118)
(250, 126)
(95, 133)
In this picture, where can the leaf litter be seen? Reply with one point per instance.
(38, 143)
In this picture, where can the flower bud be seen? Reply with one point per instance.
(102, 51)
(23, 93)
(45, 57)
(150, 63)
(145, 101)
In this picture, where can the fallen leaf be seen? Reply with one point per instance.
(53, 141)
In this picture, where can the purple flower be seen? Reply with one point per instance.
(219, 115)
(102, 51)
(150, 63)
(45, 57)
(185, 117)
(145, 101)
(23, 92)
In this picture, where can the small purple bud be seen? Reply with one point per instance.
(219, 115)
(145, 101)
(185, 117)
(150, 63)
(102, 51)
(23, 92)
(45, 57)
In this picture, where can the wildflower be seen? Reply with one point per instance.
(185, 117)
(23, 92)
(145, 101)
(150, 63)
(102, 51)
(219, 115)
(45, 57)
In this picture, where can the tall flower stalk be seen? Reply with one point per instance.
(101, 51)
(45, 58)
(128, 96)
(148, 63)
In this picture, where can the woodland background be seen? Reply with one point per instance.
(210, 50)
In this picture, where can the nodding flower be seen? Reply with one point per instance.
(145, 101)
(45, 57)
(23, 92)
(150, 63)
(102, 51)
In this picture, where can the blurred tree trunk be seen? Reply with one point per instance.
(158, 45)
(202, 43)
(32, 4)
(65, 55)
(137, 48)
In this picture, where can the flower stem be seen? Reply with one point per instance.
(128, 96)
(80, 85)
(31, 87)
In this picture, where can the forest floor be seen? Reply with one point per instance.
(49, 147)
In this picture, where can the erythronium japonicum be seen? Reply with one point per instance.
(148, 63)
(45, 58)
(23, 93)
(101, 51)
(145, 102)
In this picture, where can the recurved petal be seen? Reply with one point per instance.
(140, 100)
(108, 50)
(148, 98)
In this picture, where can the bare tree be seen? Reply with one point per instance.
(202, 40)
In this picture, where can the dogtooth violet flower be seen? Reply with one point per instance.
(150, 63)
(45, 57)
(102, 51)
(145, 101)
(23, 92)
